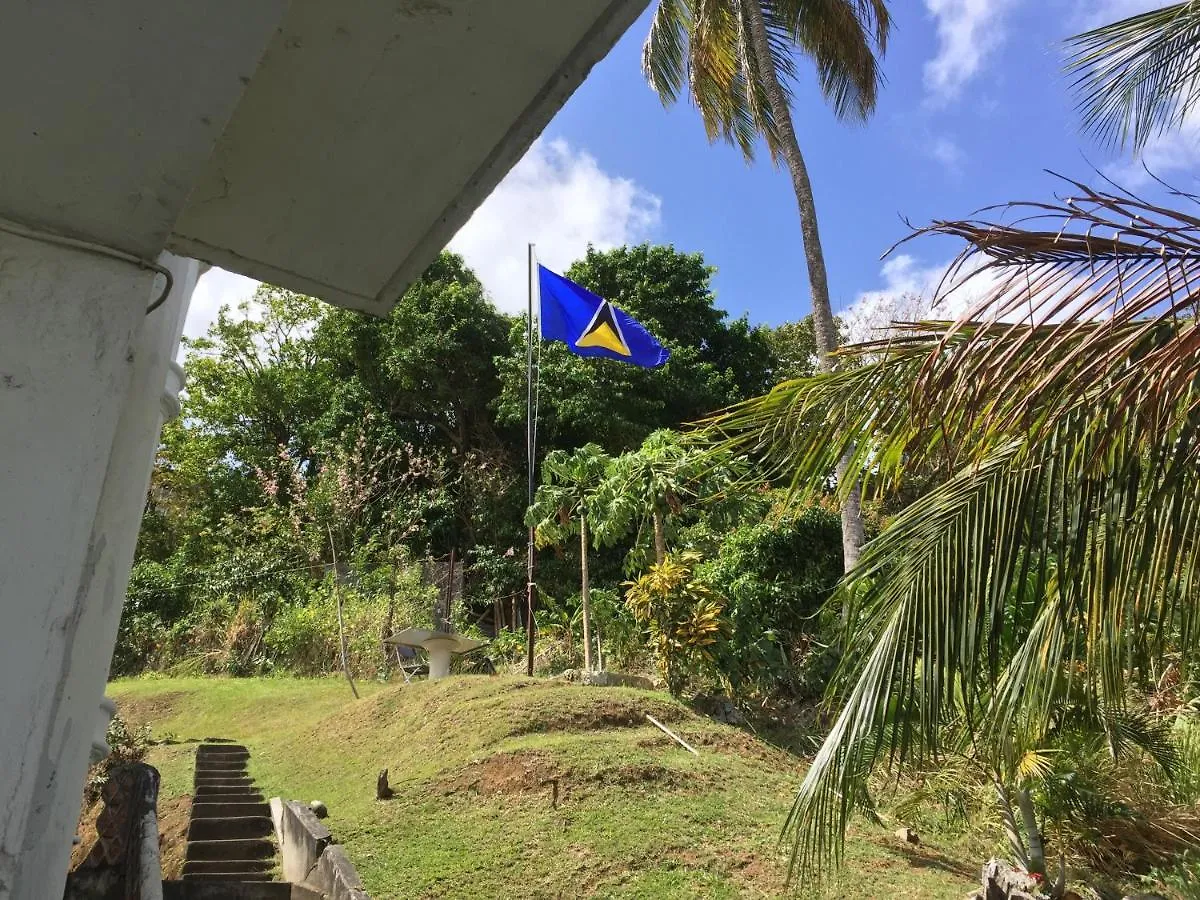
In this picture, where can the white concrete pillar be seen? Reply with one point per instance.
(82, 371)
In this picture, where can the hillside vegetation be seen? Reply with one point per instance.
(475, 762)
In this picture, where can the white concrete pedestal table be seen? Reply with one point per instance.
(440, 646)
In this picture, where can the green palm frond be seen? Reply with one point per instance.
(1140, 76)
(664, 54)
(570, 483)
(841, 38)
(706, 46)
(1058, 554)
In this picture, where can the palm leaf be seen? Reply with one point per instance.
(1140, 76)
(1059, 552)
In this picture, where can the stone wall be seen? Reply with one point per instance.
(310, 857)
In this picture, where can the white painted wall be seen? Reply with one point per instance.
(82, 370)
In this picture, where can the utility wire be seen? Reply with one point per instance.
(46, 237)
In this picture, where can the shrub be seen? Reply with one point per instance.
(126, 745)
(775, 577)
(681, 614)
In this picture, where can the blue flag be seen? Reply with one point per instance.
(591, 326)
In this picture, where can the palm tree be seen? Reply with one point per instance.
(1140, 76)
(737, 59)
(561, 508)
(1057, 562)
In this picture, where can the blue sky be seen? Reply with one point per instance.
(974, 110)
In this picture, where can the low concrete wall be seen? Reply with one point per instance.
(310, 857)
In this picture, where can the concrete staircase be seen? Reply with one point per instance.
(231, 847)
(230, 835)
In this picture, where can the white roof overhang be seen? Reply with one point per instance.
(329, 147)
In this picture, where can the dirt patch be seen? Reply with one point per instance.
(507, 773)
(526, 772)
(86, 832)
(739, 743)
(173, 818)
(148, 710)
(599, 714)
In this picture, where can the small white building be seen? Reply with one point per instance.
(329, 146)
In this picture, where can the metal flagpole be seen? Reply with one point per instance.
(531, 456)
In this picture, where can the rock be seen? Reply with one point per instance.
(318, 809)
(720, 708)
(617, 679)
(908, 836)
(1002, 881)
(382, 790)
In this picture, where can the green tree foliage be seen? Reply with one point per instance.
(429, 367)
(794, 348)
(651, 490)
(257, 387)
(775, 576)
(714, 361)
(308, 430)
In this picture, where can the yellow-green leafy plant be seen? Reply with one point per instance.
(682, 615)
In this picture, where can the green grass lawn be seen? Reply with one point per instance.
(474, 762)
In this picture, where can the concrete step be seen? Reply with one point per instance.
(190, 889)
(222, 749)
(226, 829)
(207, 796)
(229, 809)
(237, 784)
(216, 764)
(245, 866)
(209, 775)
(239, 877)
(240, 848)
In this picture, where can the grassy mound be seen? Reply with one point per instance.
(523, 788)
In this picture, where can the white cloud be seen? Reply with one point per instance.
(906, 296)
(909, 289)
(215, 289)
(1175, 153)
(558, 198)
(968, 31)
(948, 153)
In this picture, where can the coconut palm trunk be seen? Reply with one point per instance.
(824, 326)
(584, 591)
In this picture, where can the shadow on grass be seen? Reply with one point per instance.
(925, 858)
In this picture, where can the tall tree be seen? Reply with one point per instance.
(738, 59)
(649, 489)
(563, 506)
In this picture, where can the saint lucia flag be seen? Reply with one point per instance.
(591, 326)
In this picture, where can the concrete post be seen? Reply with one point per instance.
(82, 371)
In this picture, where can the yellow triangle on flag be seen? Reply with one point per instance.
(603, 331)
